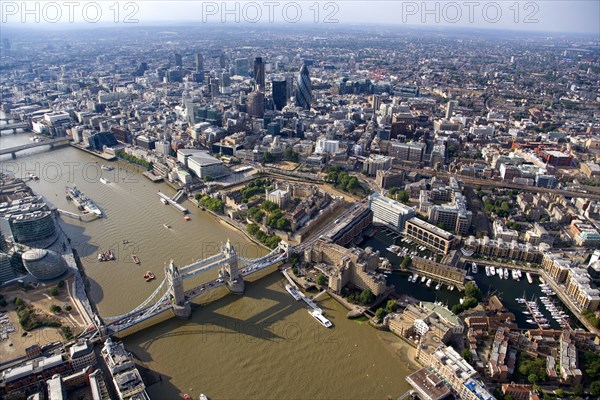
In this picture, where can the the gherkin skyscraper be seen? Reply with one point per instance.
(303, 89)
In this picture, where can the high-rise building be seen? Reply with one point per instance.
(450, 108)
(390, 212)
(279, 92)
(412, 151)
(256, 104)
(303, 88)
(199, 63)
(178, 60)
(222, 60)
(289, 86)
(225, 83)
(376, 102)
(259, 74)
(214, 86)
(241, 66)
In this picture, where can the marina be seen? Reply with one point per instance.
(490, 282)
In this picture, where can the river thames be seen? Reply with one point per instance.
(263, 345)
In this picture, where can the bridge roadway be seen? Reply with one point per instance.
(51, 142)
(147, 311)
(15, 125)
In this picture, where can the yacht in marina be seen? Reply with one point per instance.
(423, 278)
(529, 279)
(492, 270)
(428, 284)
(438, 286)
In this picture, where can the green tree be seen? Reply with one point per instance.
(391, 306)
(55, 309)
(68, 307)
(19, 302)
(595, 388)
(578, 390)
(53, 292)
(559, 392)
(532, 378)
(379, 314)
(60, 284)
(269, 206)
(283, 224)
(403, 196)
(366, 296)
(471, 290)
(406, 261)
(321, 280)
(466, 354)
(253, 229)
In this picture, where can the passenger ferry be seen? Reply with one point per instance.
(320, 318)
(292, 290)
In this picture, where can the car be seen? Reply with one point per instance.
(210, 284)
(220, 280)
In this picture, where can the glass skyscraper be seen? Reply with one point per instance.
(303, 88)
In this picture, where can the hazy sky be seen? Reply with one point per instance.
(541, 16)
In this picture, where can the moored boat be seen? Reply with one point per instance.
(529, 279)
(316, 314)
(135, 259)
(294, 292)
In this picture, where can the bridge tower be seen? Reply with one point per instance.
(181, 307)
(229, 270)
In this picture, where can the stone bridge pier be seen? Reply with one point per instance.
(181, 307)
(229, 271)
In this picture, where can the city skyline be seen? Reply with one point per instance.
(576, 17)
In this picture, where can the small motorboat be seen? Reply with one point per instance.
(135, 259)
(148, 276)
(167, 226)
(187, 218)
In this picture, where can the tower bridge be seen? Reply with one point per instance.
(171, 299)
